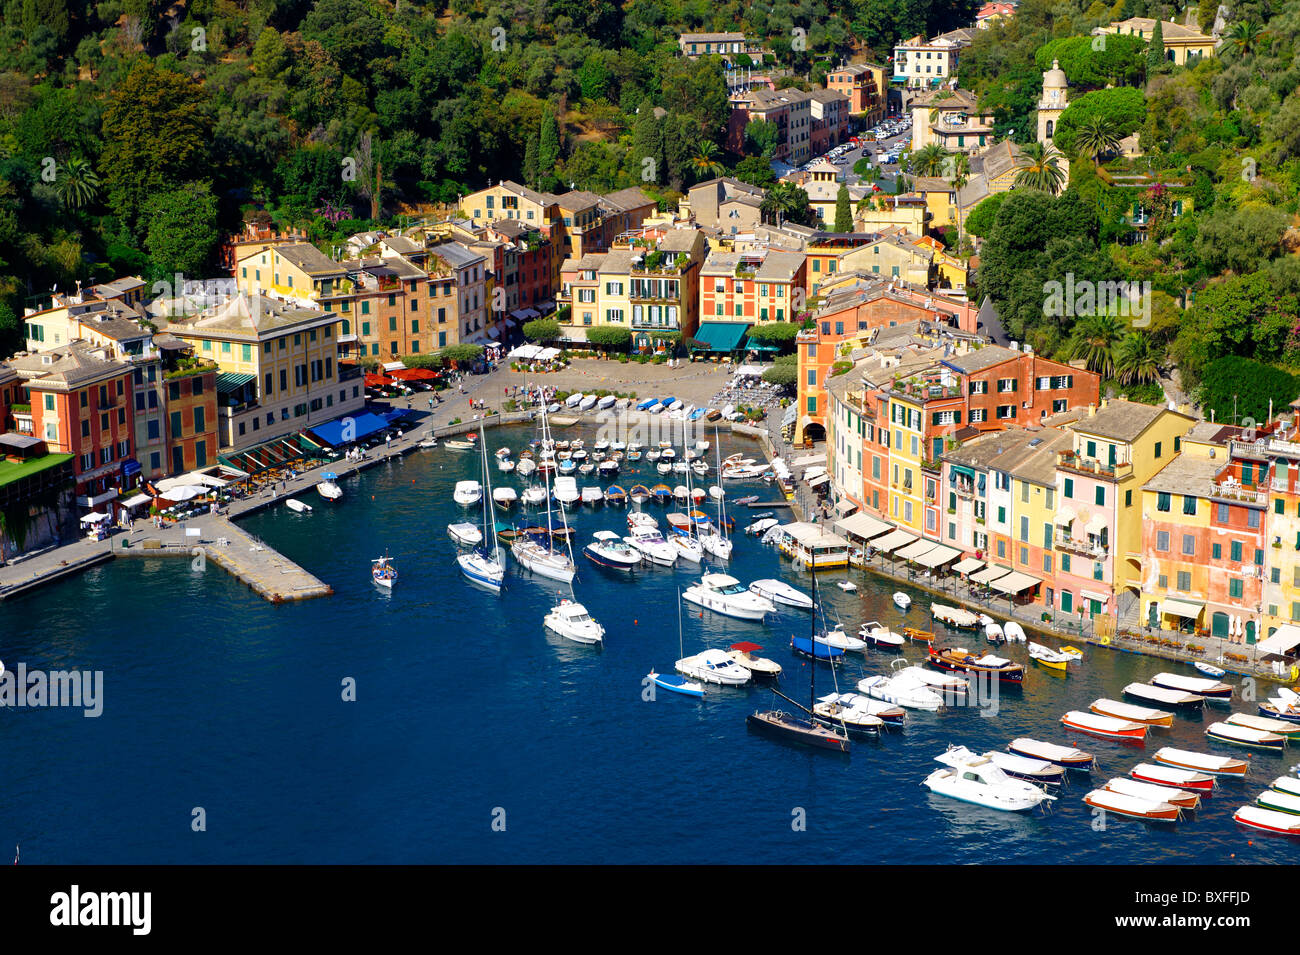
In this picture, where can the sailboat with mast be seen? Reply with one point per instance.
(673, 682)
(485, 565)
(716, 541)
(797, 729)
(687, 543)
(537, 553)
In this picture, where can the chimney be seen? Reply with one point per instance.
(1092, 411)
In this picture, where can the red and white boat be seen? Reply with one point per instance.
(1210, 689)
(1174, 777)
(1104, 725)
(1065, 756)
(1269, 820)
(1201, 762)
(1137, 714)
(1132, 807)
(1181, 798)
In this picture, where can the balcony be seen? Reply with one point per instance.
(1090, 547)
(1070, 461)
(964, 491)
(1235, 491)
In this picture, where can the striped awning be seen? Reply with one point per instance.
(229, 381)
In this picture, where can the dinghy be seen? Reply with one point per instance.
(1065, 756)
(465, 533)
(846, 585)
(1287, 784)
(1279, 801)
(1268, 820)
(902, 601)
(1014, 632)
(1052, 659)
(1210, 689)
(1173, 777)
(1104, 725)
(1280, 727)
(1132, 807)
(1137, 714)
(1201, 762)
(1236, 735)
(1155, 793)
(1209, 669)
(299, 506)
(954, 616)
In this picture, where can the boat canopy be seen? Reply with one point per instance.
(746, 647)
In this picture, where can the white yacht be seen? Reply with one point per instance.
(570, 619)
(467, 493)
(609, 551)
(779, 592)
(849, 709)
(840, 640)
(726, 595)
(465, 533)
(714, 666)
(977, 779)
(647, 539)
(902, 689)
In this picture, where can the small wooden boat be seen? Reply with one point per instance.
(1155, 694)
(1138, 714)
(1156, 793)
(1287, 784)
(615, 495)
(1065, 756)
(1210, 689)
(639, 493)
(1104, 725)
(299, 506)
(383, 572)
(1201, 762)
(1014, 632)
(1074, 652)
(1268, 820)
(1022, 767)
(1047, 657)
(960, 660)
(1132, 807)
(459, 445)
(674, 683)
(902, 601)
(1209, 669)
(1280, 710)
(1236, 735)
(955, 617)
(1279, 801)
(1280, 727)
(1173, 777)
(918, 635)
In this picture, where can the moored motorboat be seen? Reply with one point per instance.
(295, 505)
(1015, 633)
(571, 620)
(849, 710)
(903, 690)
(726, 595)
(1065, 756)
(960, 660)
(1236, 735)
(1156, 694)
(1268, 820)
(467, 493)
(956, 617)
(979, 780)
(609, 550)
(1210, 689)
(504, 497)
(1280, 710)
(714, 666)
(1173, 777)
(846, 585)
(1133, 807)
(328, 487)
(817, 649)
(953, 689)
(762, 526)
(902, 601)
(836, 637)
(1209, 669)
(674, 683)
(1022, 767)
(880, 636)
(1181, 798)
(781, 593)
(1280, 727)
(1104, 725)
(1127, 711)
(1052, 659)
(743, 653)
(465, 533)
(1201, 762)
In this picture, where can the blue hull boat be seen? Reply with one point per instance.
(822, 651)
(674, 683)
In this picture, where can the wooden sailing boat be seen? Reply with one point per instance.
(795, 729)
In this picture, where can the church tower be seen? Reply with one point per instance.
(1053, 102)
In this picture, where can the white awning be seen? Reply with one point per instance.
(1065, 516)
(863, 525)
(548, 354)
(819, 480)
(345, 339)
(938, 556)
(989, 574)
(808, 459)
(93, 518)
(968, 566)
(137, 500)
(1181, 608)
(749, 371)
(1283, 640)
(1096, 524)
(393, 366)
(845, 507)
(1094, 595)
(1015, 583)
(893, 541)
(913, 551)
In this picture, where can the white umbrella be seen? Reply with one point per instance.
(185, 492)
(93, 518)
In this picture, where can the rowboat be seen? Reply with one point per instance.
(1268, 820)
(1104, 725)
(459, 445)
(920, 636)
(1013, 632)
(956, 617)
(959, 659)
(299, 506)
(1138, 714)
(1287, 784)
(1209, 669)
(902, 601)
(1175, 778)
(678, 684)
(1210, 689)
(1131, 806)
(1065, 756)
(1280, 710)
(1156, 694)
(1046, 656)
(1280, 727)
(1022, 767)
(1280, 801)
(1236, 735)
(1201, 762)
(1139, 790)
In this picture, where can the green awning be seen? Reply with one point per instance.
(752, 345)
(229, 381)
(720, 336)
(962, 469)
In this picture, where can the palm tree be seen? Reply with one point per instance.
(704, 162)
(958, 172)
(1245, 35)
(1040, 169)
(784, 200)
(1137, 359)
(76, 183)
(1097, 136)
(1094, 341)
(929, 161)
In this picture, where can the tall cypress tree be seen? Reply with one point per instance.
(548, 151)
(1156, 50)
(647, 144)
(843, 214)
(530, 161)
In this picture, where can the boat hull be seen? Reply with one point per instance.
(800, 732)
(1191, 780)
(1133, 809)
(1200, 763)
(1244, 736)
(1014, 675)
(1105, 726)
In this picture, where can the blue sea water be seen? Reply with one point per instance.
(468, 713)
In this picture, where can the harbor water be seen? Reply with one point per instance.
(476, 736)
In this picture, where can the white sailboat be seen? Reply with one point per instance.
(716, 541)
(540, 556)
(485, 565)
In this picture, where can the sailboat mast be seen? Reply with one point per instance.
(812, 667)
(489, 523)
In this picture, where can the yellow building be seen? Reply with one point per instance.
(1182, 44)
(893, 256)
(279, 367)
(880, 213)
(291, 270)
(906, 486)
(507, 200)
